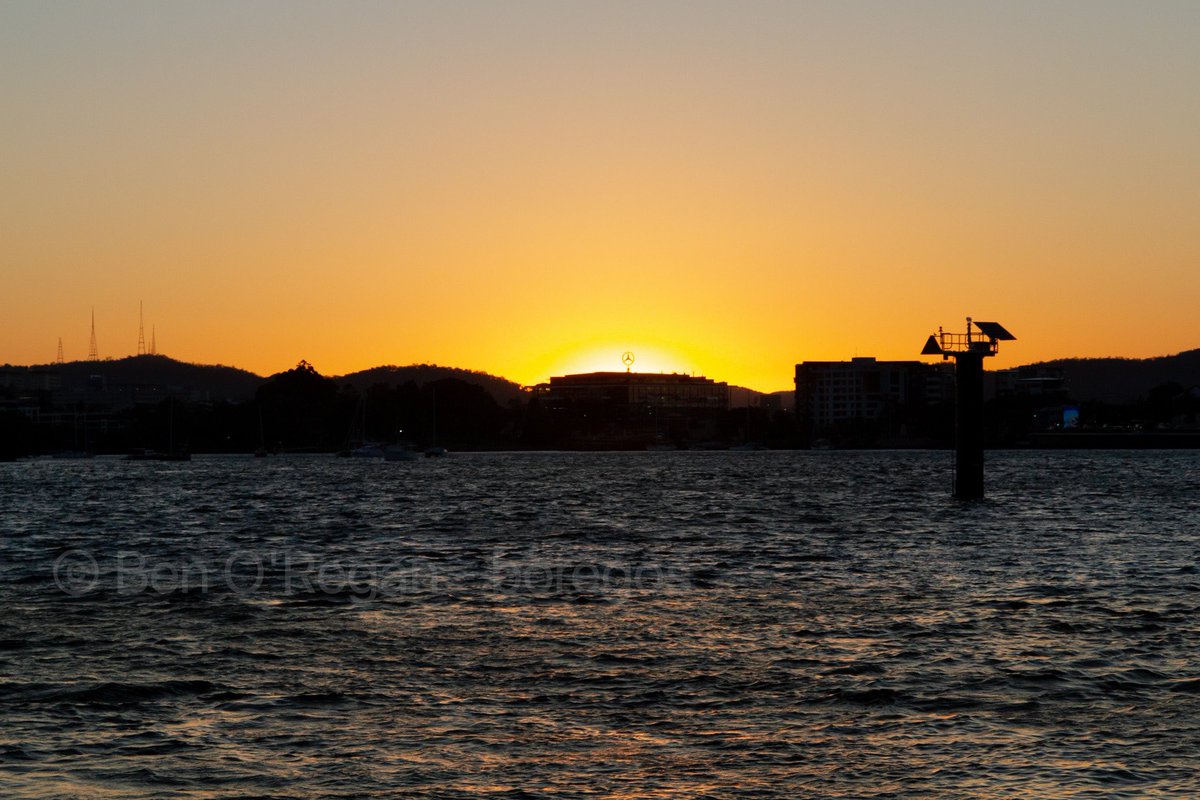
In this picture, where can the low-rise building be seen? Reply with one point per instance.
(833, 397)
(29, 379)
(630, 409)
(1031, 380)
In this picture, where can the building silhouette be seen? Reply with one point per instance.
(1030, 381)
(863, 401)
(629, 410)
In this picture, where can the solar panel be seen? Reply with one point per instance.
(994, 330)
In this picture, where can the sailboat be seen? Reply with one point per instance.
(171, 454)
(261, 450)
(359, 446)
(434, 450)
(77, 452)
(401, 451)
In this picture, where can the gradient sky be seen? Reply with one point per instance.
(530, 188)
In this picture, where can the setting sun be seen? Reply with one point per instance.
(536, 189)
(646, 358)
(599, 399)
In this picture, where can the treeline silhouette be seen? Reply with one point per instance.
(1119, 382)
(299, 410)
(302, 411)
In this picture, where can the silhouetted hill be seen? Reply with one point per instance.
(786, 399)
(214, 381)
(218, 382)
(1124, 380)
(502, 390)
(741, 397)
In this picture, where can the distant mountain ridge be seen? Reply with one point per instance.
(1123, 380)
(502, 390)
(1111, 380)
(220, 382)
(742, 397)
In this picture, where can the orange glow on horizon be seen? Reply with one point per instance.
(608, 359)
(533, 190)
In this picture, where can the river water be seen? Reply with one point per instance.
(619, 625)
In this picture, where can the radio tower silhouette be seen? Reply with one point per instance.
(153, 343)
(141, 331)
(93, 352)
(59, 360)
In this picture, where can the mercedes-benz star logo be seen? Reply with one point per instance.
(627, 359)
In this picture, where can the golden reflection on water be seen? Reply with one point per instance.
(791, 660)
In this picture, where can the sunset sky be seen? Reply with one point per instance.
(532, 188)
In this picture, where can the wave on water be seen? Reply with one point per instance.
(564, 626)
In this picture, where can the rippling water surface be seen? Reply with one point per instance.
(601, 625)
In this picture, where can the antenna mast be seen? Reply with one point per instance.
(93, 352)
(141, 351)
(59, 360)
